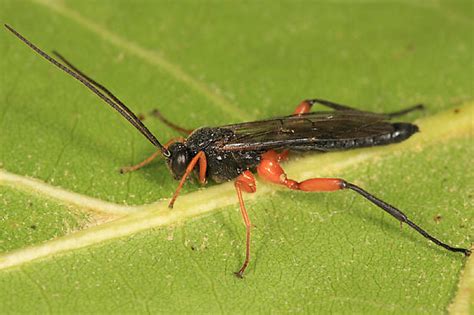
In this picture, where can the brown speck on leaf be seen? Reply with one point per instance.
(437, 218)
(410, 47)
(141, 116)
(456, 110)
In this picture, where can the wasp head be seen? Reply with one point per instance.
(179, 159)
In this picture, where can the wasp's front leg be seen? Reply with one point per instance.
(148, 160)
(201, 158)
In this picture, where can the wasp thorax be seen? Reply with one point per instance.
(179, 159)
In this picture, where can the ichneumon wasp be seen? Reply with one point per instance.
(232, 152)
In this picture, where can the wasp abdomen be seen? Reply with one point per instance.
(402, 131)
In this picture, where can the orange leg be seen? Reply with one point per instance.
(270, 169)
(303, 108)
(245, 182)
(201, 158)
(149, 159)
(143, 163)
(275, 156)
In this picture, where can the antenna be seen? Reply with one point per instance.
(96, 88)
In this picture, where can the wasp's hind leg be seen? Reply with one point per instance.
(405, 111)
(305, 107)
(270, 169)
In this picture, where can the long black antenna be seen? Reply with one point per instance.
(88, 78)
(92, 85)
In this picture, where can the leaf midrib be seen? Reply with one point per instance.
(132, 219)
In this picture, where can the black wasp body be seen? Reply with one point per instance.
(233, 152)
(222, 165)
(232, 149)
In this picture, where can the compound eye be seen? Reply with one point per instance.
(180, 162)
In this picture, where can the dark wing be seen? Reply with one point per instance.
(323, 131)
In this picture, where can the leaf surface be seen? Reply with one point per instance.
(211, 64)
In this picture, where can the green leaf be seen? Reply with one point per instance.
(77, 236)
